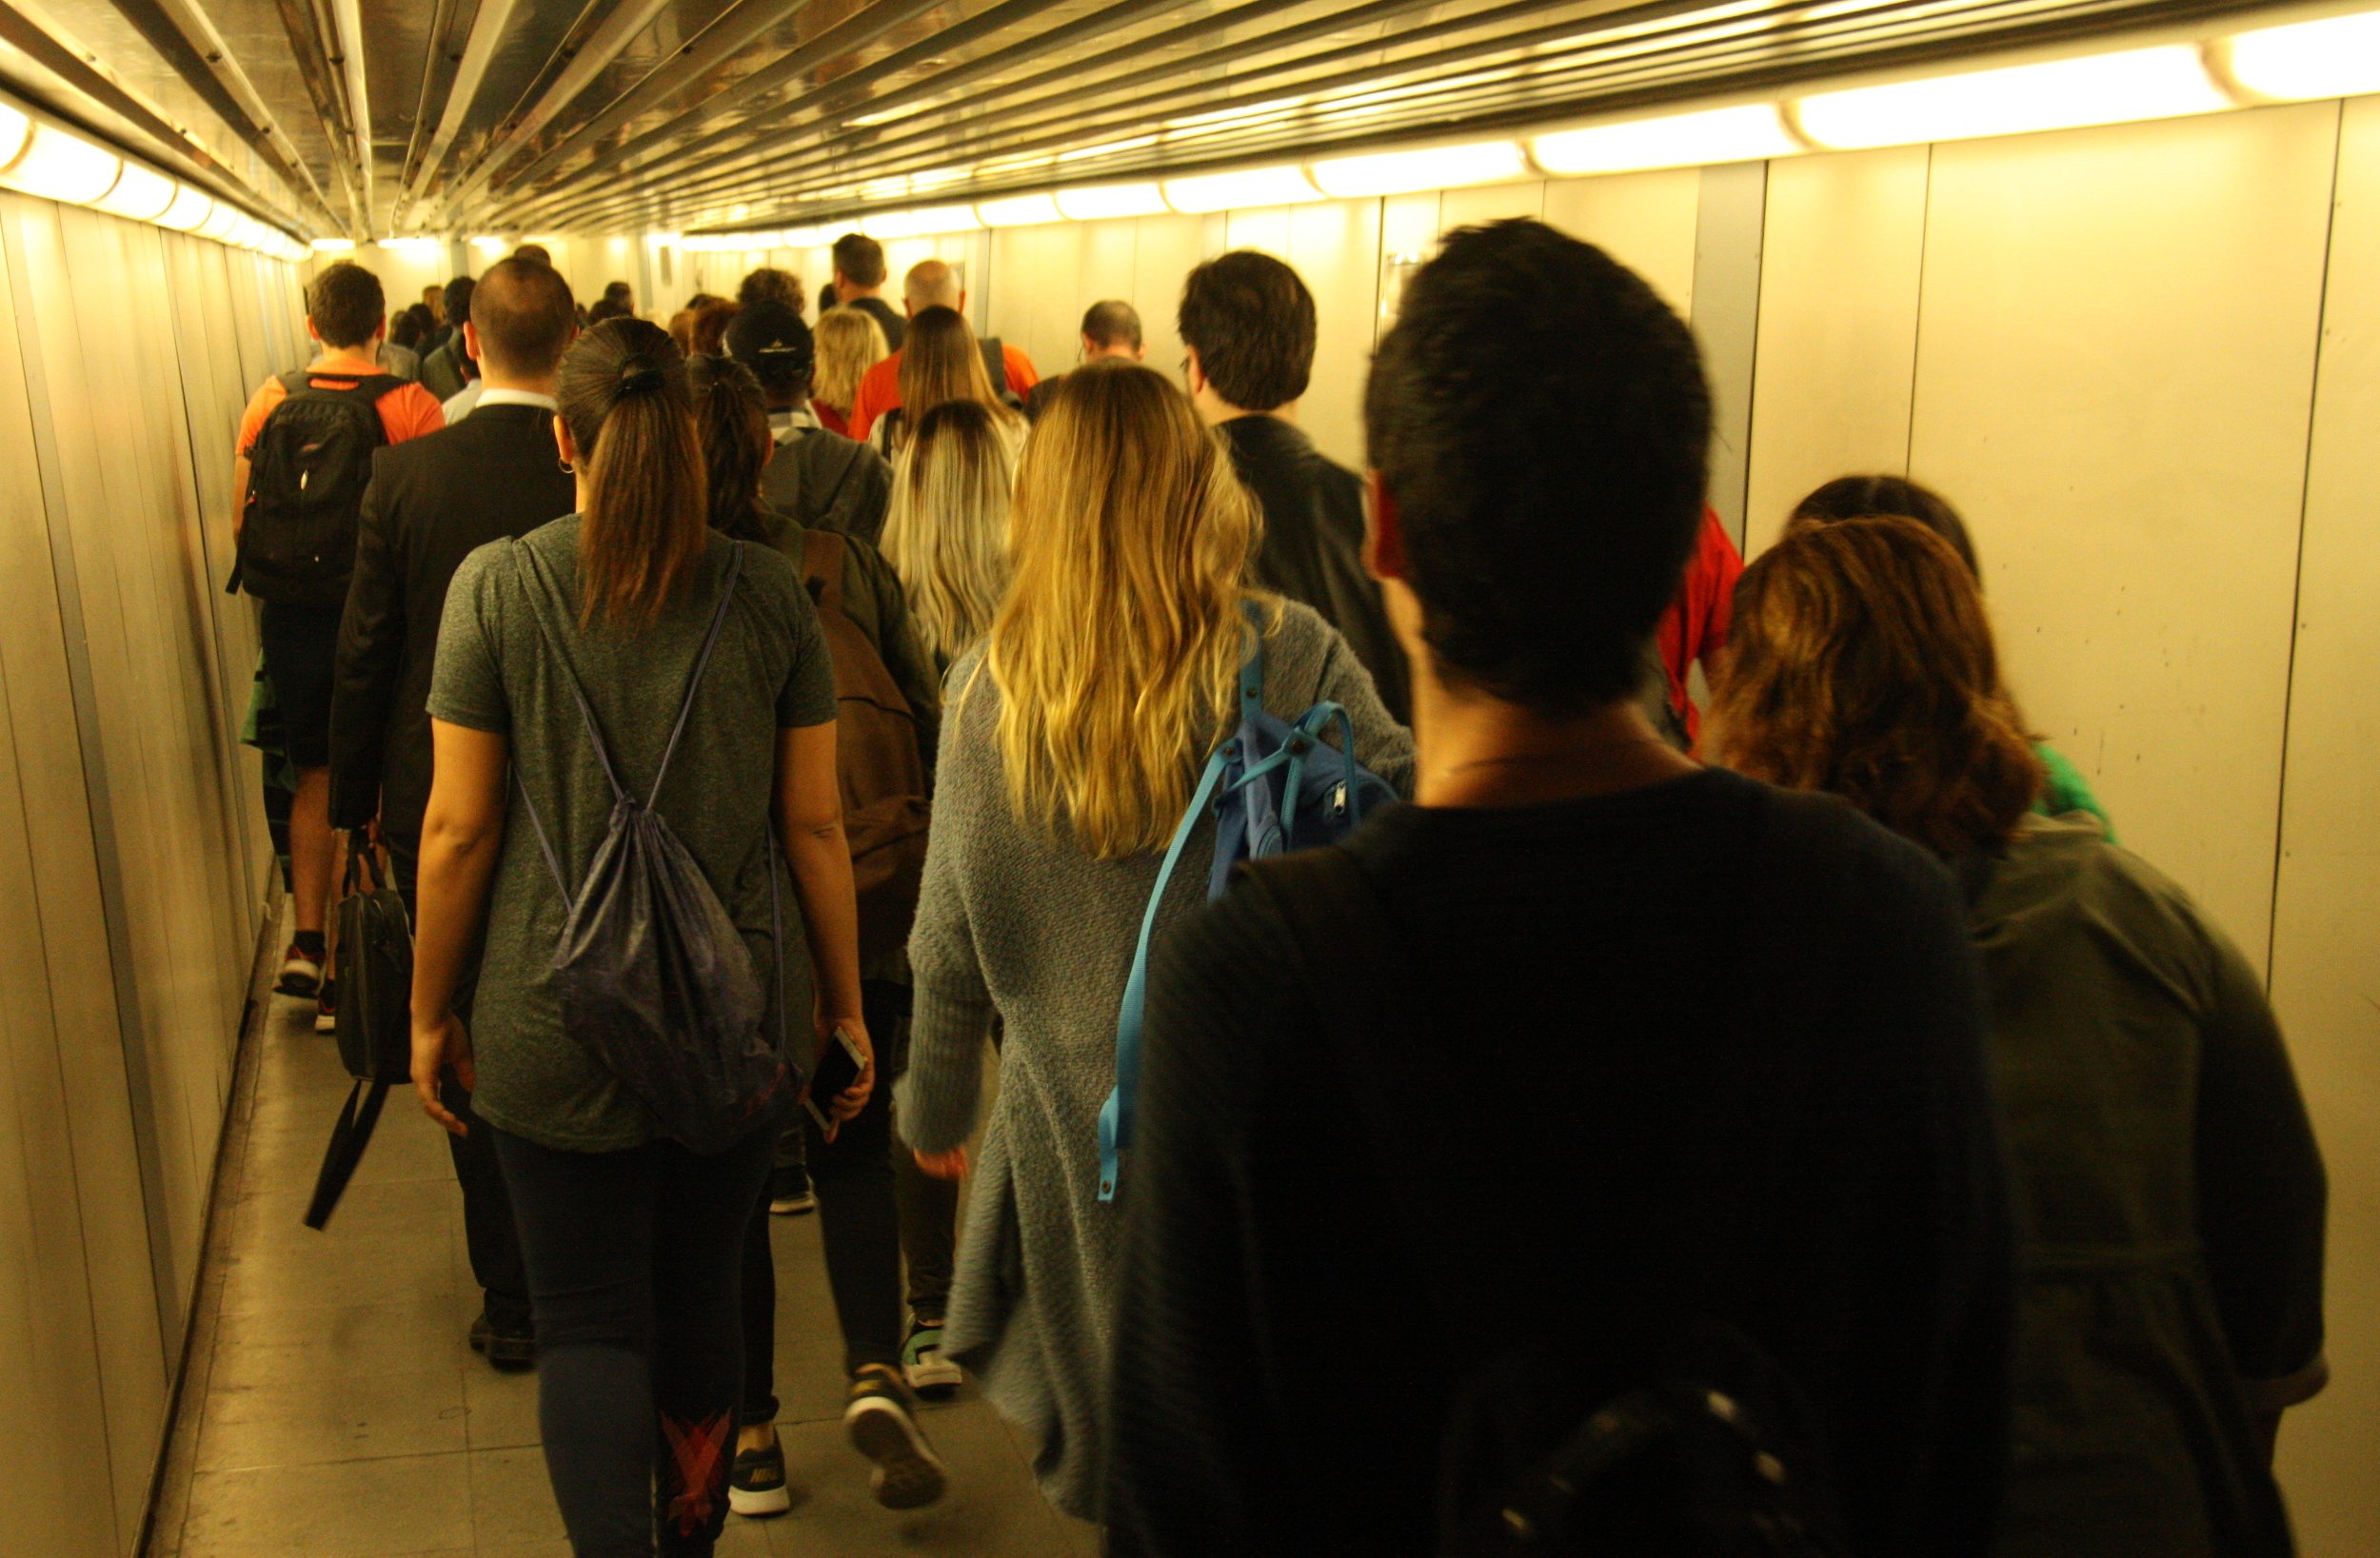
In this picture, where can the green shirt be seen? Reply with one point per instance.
(2063, 791)
(495, 672)
(2169, 1202)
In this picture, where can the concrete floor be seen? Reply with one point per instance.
(333, 1410)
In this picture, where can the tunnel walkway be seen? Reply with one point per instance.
(333, 1409)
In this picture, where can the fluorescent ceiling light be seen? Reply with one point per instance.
(800, 238)
(57, 166)
(920, 221)
(334, 245)
(1098, 202)
(190, 207)
(489, 244)
(2339, 57)
(14, 129)
(220, 223)
(1232, 191)
(1428, 168)
(1750, 134)
(1017, 211)
(141, 193)
(411, 245)
(2138, 84)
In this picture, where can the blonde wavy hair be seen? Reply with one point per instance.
(1118, 646)
(848, 343)
(946, 534)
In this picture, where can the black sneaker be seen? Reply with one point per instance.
(790, 1191)
(300, 972)
(882, 1424)
(509, 1350)
(756, 1488)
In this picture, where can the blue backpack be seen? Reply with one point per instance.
(1275, 787)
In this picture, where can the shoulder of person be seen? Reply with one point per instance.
(2069, 858)
(1810, 841)
(1243, 944)
(1299, 634)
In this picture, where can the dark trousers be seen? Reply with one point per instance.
(488, 1229)
(633, 1260)
(858, 1222)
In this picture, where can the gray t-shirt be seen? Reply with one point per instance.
(495, 672)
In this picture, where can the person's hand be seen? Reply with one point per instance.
(847, 1103)
(951, 1165)
(437, 1044)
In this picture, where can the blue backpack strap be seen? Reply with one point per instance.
(1116, 1114)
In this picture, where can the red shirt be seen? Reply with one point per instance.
(1695, 626)
(831, 419)
(880, 388)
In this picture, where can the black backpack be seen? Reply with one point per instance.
(307, 475)
(1685, 1440)
(996, 364)
(653, 974)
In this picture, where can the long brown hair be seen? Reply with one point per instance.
(731, 418)
(1859, 662)
(624, 398)
(941, 362)
(1117, 645)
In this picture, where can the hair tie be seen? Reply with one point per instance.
(638, 375)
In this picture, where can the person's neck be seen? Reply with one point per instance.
(1218, 411)
(549, 387)
(853, 294)
(1472, 750)
(368, 353)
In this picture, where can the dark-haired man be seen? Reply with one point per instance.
(770, 285)
(860, 282)
(1650, 1174)
(1248, 323)
(430, 503)
(445, 370)
(347, 314)
(819, 477)
(1110, 329)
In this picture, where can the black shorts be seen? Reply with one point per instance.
(301, 646)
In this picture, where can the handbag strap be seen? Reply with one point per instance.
(348, 1140)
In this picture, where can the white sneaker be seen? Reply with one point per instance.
(301, 972)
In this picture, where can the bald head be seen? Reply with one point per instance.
(521, 321)
(931, 283)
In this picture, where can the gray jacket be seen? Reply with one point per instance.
(825, 481)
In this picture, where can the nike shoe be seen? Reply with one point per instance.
(881, 1420)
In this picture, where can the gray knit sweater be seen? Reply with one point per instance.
(1017, 924)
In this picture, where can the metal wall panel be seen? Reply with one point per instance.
(2326, 937)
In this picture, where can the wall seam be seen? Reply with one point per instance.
(2297, 580)
(1917, 321)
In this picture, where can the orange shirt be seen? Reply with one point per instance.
(407, 411)
(880, 388)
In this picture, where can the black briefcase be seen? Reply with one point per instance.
(375, 1028)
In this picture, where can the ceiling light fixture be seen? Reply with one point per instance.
(190, 207)
(919, 223)
(59, 166)
(1017, 211)
(15, 128)
(2337, 57)
(2161, 83)
(1428, 168)
(334, 245)
(1751, 132)
(1101, 201)
(1233, 192)
(141, 194)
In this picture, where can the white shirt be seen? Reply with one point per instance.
(476, 394)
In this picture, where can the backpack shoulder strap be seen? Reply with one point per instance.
(702, 663)
(822, 565)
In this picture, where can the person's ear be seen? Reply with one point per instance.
(381, 333)
(963, 299)
(1191, 370)
(1384, 535)
(471, 341)
(565, 446)
(312, 329)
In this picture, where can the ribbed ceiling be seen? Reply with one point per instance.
(383, 117)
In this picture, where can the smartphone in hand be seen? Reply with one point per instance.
(837, 1069)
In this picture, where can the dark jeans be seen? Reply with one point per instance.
(632, 1261)
(488, 1229)
(858, 1222)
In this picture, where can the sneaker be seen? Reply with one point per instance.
(883, 1428)
(326, 1008)
(509, 1351)
(929, 1369)
(790, 1191)
(756, 1488)
(300, 972)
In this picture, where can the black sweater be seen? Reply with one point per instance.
(1704, 1050)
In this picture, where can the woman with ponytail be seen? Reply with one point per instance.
(632, 1241)
(2167, 1191)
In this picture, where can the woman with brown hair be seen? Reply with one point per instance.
(849, 342)
(1075, 731)
(575, 667)
(941, 362)
(2169, 1192)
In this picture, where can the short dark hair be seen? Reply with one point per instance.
(608, 307)
(346, 305)
(457, 301)
(618, 292)
(524, 315)
(859, 258)
(1251, 321)
(771, 339)
(535, 252)
(1878, 497)
(410, 325)
(1112, 323)
(1539, 418)
(775, 285)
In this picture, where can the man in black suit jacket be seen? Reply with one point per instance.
(432, 502)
